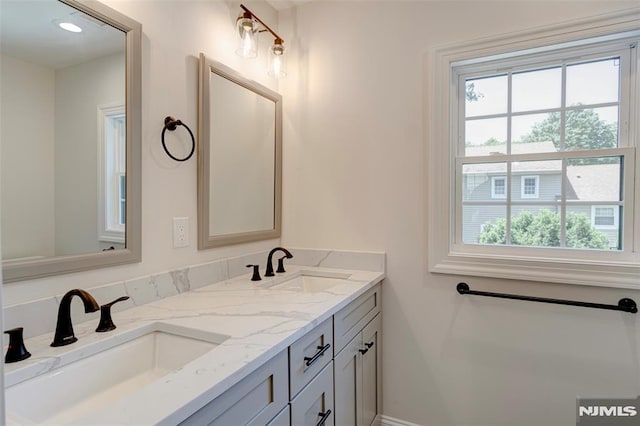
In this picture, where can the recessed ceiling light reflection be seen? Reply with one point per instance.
(68, 26)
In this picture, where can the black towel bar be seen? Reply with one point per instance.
(624, 305)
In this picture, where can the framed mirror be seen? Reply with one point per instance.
(239, 158)
(70, 137)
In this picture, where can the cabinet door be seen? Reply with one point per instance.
(348, 383)
(371, 370)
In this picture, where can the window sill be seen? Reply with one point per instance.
(112, 237)
(592, 273)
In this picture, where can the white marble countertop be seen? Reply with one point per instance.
(259, 321)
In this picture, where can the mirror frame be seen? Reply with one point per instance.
(30, 269)
(205, 240)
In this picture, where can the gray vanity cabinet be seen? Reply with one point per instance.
(348, 383)
(372, 370)
(282, 419)
(357, 377)
(330, 376)
(350, 320)
(357, 365)
(254, 401)
(314, 404)
(309, 355)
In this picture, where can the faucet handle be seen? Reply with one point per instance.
(16, 351)
(281, 264)
(106, 323)
(256, 272)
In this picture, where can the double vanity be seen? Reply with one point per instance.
(204, 344)
(302, 347)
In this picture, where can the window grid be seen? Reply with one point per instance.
(499, 187)
(448, 253)
(529, 185)
(509, 114)
(605, 217)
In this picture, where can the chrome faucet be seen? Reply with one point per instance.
(64, 330)
(269, 272)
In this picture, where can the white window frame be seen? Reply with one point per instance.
(494, 194)
(616, 215)
(111, 165)
(121, 178)
(592, 267)
(536, 194)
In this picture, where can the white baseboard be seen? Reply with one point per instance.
(382, 420)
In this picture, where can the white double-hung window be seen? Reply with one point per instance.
(538, 146)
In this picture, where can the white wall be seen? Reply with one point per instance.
(26, 158)
(80, 89)
(175, 32)
(354, 178)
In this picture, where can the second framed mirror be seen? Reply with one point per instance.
(239, 158)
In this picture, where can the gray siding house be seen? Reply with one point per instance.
(588, 187)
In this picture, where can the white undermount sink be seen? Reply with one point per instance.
(312, 282)
(73, 391)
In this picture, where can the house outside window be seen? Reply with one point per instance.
(529, 186)
(604, 217)
(498, 187)
(549, 119)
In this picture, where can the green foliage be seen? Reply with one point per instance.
(494, 141)
(584, 130)
(470, 92)
(543, 230)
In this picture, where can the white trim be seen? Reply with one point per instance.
(622, 270)
(382, 420)
(537, 188)
(106, 232)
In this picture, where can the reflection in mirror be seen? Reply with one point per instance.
(70, 138)
(239, 161)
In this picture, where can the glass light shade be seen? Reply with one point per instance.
(247, 37)
(277, 60)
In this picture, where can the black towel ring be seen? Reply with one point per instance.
(171, 124)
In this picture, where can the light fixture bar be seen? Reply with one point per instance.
(278, 38)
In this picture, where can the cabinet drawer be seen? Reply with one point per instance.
(351, 319)
(255, 400)
(314, 405)
(309, 355)
(282, 419)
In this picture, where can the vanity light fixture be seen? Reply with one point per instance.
(249, 26)
(276, 59)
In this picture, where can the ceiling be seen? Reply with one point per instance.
(28, 32)
(286, 4)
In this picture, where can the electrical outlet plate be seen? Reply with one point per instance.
(180, 232)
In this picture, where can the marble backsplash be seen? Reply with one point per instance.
(39, 316)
